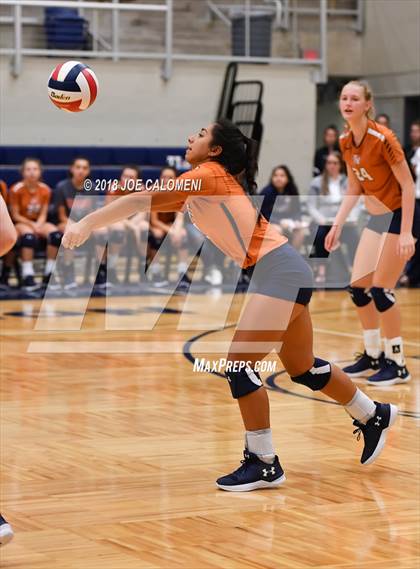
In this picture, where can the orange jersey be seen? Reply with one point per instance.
(3, 191)
(223, 212)
(29, 203)
(371, 162)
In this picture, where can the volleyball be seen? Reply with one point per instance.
(72, 86)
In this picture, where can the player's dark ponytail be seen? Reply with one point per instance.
(239, 153)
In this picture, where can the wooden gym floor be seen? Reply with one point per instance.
(110, 446)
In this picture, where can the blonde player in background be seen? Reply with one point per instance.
(376, 168)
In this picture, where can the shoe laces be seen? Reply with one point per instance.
(359, 355)
(359, 429)
(244, 462)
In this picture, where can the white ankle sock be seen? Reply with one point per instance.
(361, 407)
(261, 443)
(27, 269)
(394, 350)
(182, 267)
(112, 261)
(155, 269)
(49, 266)
(372, 340)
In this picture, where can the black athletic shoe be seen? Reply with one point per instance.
(253, 474)
(364, 364)
(183, 285)
(29, 283)
(51, 282)
(6, 531)
(375, 431)
(4, 277)
(390, 374)
(100, 280)
(158, 281)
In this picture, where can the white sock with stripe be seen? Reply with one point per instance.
(361, 407)
(394, 350)
(261, 443)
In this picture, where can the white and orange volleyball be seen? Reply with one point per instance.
(73, 86)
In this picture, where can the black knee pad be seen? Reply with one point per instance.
(359, 295)
(242, 378)
(54, 238)
(383, 298)
(28, 240)
(317, 377)
(117, 237)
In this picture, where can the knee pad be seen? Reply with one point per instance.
(242, 379)
(54, 238)
(117, 237)
(383, 298)
(28, 240)
(359, 295)
(317, 377)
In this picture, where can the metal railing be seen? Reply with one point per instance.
(102, 47)
(285, 9)
(113, 51)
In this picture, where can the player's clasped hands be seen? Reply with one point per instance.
(76, 234)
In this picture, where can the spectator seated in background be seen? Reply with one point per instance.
(330, 143)
(137, 224)
(413, 145)
(325, 196)
(281, 206)
(68, 211)
(115, 235)
(383, 119)
(29, 201)
(411, 276)
(160, 225)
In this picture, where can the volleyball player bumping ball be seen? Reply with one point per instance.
(276, 315)
(377, 168)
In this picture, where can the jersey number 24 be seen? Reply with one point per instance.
(362, 175)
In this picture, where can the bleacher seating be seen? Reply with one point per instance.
(106, 161)
(65, 29)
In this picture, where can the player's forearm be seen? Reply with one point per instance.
(119, 209)
(406, 182)
(407, 204)
(349, 201)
